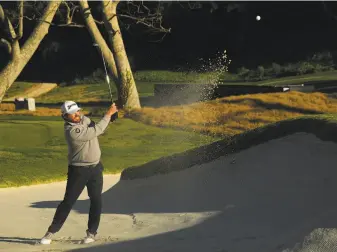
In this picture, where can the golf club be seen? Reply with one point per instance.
(115, 115)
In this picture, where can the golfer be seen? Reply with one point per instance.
(84, 168)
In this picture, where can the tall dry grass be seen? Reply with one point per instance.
(7, 107)
(236, 114)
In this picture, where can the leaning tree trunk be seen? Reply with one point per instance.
(128, 95)
(20, 58)
(98, 38)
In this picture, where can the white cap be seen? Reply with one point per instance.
(69, 107)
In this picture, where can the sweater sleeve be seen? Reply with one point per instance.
(86, 133)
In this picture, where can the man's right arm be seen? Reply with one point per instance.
(85, 133)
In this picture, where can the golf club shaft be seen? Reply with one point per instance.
(107, 78)
(114, 116)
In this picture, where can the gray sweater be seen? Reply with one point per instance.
(83, 145)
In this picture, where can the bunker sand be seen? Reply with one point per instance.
(270, 197)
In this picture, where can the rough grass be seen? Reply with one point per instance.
(7, 107)
(33, 149)
(236, 114)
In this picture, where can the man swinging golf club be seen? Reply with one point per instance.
(84, 167)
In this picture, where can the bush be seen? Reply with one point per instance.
(322, 68)
(276, 69)
(243, 72)
(304, 68)
(318, 62)
(95, 77)
(260, 72)
(323, 58)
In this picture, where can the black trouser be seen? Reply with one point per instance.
(78, 178)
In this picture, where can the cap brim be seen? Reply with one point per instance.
(73, 111)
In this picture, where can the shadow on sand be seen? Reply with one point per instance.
(269, 199)
(21, 240)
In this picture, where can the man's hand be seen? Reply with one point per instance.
(112, 110)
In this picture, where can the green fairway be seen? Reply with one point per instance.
(33, 150)
(291, 80)
(145, 81)
(99, 91)
(89, 92)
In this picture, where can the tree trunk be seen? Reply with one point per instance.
(128, 95)
(20, 59)
(98, 38)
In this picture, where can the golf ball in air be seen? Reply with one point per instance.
(258, 18)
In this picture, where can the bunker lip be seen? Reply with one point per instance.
(322, 128)
(263, 198)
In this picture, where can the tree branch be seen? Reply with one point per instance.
(20, 33)
(2, 15)
(10, 42)
(136, 12)
(69, 18)
(4, 43)
(147, 21)
(71, 24)
(68, 24)
(98, 38)
(7, 26)
(70, 14)
(40, 30)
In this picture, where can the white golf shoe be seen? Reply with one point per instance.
(89, 238)
(46, 240)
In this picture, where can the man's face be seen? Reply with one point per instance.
(76, 117)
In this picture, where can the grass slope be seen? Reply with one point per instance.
(323, 126)
(18, 88)
(33, 150)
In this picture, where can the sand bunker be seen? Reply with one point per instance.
(276, 196)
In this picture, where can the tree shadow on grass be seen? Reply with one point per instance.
(259, 120)
(273, 105)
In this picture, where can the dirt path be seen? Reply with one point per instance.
(35, 91)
